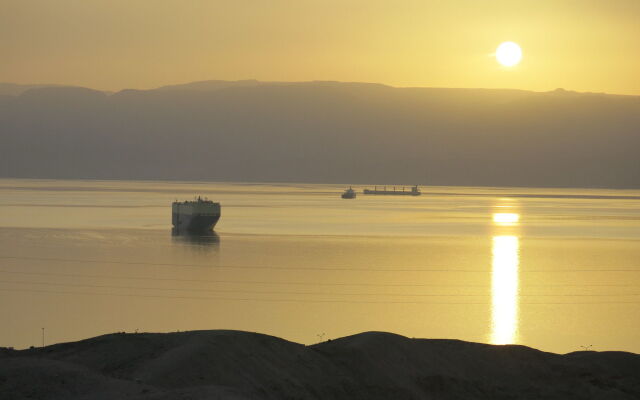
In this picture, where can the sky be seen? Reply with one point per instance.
(583, 45)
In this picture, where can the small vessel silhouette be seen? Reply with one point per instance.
(349, 194)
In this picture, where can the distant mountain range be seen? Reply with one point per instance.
(322, 132)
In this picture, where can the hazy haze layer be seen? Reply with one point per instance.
(585, 45)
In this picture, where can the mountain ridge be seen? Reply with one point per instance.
(15, 89)
(324, 132)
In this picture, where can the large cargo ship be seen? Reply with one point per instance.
(199, 215)
(413, 192)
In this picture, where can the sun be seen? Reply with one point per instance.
(509, 54)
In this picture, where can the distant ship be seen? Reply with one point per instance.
(349, 194)
(199, 215)
(413, 192)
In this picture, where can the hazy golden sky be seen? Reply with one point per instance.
(585, 45)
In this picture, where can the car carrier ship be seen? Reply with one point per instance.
(413, 192)
(199, 215)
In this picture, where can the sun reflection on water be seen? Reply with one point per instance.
(506, 219)
(505, 254)
(504, 289)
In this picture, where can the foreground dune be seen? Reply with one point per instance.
(373, 365)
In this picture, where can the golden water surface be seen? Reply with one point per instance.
(549, 268)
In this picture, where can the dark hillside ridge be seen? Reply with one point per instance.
(372, 365)
(329, 132)
(15, 89)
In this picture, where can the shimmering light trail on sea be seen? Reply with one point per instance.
(504, 289)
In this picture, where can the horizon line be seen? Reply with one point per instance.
(276, 82)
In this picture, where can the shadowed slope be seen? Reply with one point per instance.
(371, 365)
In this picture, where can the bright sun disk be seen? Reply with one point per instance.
(509, 54)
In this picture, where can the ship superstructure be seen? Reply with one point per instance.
(413, 192)
(199, 215)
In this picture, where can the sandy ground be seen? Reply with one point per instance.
(372, 365)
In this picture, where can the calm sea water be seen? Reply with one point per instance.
(554, 269)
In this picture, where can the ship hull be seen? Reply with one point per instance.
(195, 223)
(391, 193)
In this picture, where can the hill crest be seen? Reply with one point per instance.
(370, 365)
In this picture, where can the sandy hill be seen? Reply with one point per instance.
(373, 365)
